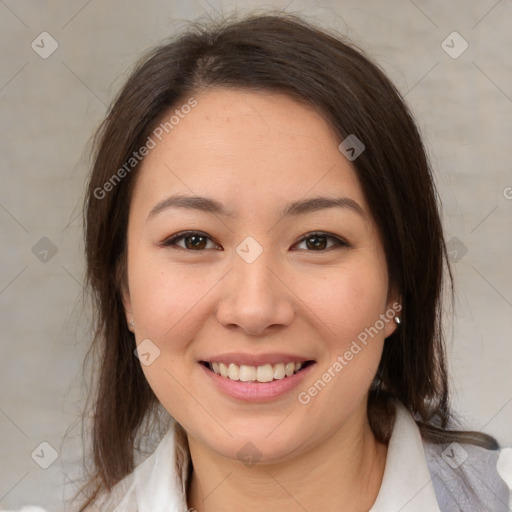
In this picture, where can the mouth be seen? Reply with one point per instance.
(257, 374)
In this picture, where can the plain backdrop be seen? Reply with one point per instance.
(49, 108)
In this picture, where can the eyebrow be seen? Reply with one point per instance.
(300, 207)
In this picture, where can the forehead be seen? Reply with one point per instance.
(246, 148)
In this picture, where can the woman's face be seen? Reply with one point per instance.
(267, 277)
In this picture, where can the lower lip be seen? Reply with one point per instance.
(256, 391)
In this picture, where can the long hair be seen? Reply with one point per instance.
(278, 53)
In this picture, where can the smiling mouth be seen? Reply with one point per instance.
(263, 373)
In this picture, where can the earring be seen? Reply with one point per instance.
(131, 323)
(397, 320)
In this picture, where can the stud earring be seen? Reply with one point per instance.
(132, 324)
(397, 320)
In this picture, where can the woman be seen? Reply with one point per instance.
(266, 257)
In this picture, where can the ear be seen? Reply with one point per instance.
(127, 303)
(393, 311)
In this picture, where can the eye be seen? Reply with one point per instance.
(318, 241)
(193, 241)
(198, 241)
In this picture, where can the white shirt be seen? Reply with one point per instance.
(418, 477)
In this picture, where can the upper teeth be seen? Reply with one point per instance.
(264, 373)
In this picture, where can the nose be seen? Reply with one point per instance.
(254, 298)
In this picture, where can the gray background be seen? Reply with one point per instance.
(50, 107)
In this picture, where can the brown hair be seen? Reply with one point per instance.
(280, 53)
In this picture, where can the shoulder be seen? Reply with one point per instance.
(122, 497)
(148, 486)
(466, 477)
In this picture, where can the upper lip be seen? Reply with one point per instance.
(239, 358)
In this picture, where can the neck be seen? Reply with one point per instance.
(341, 474)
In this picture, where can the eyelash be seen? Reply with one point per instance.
(171, 241)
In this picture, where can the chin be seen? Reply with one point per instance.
(259, 450)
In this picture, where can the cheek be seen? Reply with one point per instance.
(166, 300)
(346, 300)
(167, 306)
(351, 306)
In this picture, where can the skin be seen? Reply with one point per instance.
(254, 152)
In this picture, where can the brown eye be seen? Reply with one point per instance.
(195, 242)
(320, 241)
(316, 242)
(192, 241)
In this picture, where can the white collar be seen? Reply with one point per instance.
(406, 484)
